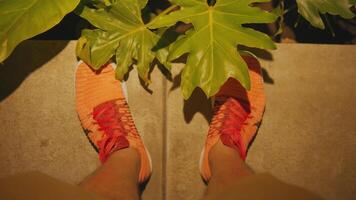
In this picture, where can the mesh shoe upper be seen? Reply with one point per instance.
(237, 115)
(105, 115)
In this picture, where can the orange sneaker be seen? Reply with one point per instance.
(237, 115)
(105, 115)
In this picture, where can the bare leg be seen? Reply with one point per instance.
(226, 168)
(117, 178)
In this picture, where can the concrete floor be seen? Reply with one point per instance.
(307, 138)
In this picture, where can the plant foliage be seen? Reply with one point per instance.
(311, 9)
(119, 32)
(211, 43)
(23, 19)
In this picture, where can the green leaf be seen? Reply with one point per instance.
(311, 9)
(121, 33)
(279, 11)
(212, 43)
(23, 19)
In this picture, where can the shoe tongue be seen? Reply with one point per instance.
(111, 144)
(102, 108)
(232, 88)
(236, 114)
(114, 137)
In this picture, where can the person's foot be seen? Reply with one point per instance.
(105, 115)
(237, 115)
(227, 168)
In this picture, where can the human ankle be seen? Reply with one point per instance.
(121, 170)
(226, 163)
(128, 155)
(129, 159)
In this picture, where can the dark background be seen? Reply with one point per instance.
(297, 29)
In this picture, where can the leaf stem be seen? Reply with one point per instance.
(169, 9)
(328, 25)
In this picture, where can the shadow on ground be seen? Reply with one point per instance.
(21, 63)
(198, 101)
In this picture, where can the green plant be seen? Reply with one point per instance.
(311, 9)
(131, 34)
(23, 19)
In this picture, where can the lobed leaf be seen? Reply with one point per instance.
(212, 43)
(23, 19)
(121, 33)
(311, 9)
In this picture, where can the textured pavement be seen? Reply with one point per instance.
(308, 135)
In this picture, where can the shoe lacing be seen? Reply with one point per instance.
(229, 117)
(114, 122)
(126, 118)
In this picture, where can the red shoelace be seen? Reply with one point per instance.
(229, 117)
(108, 117)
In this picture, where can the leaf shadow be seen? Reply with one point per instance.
(267, 77)
(166, 73)
(25, 59)
(197, 103)
(261, 54)
(167, 38)
(145, 85)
